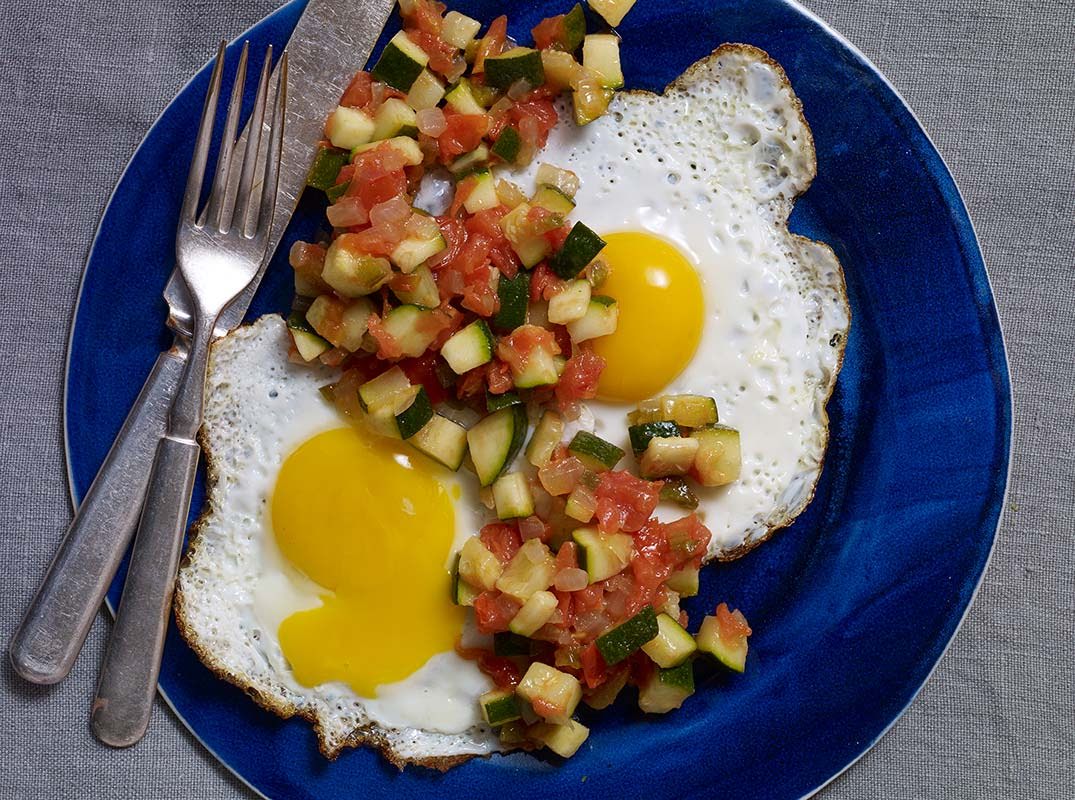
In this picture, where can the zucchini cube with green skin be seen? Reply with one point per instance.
(352, 273)
(307, 342)
(580, 248)
(602, 555)
(601, 53)
(666, 689)
(348, 128)
(409, 326)
(459, 30)
(668, 457)
(512, 496)
(719, 459)
(684, 581)
(412, 253)
(571, 303)
(594, 452)
(554, 695)
(401, 62)
(532, 569)
(499, 706)
(343, 324)
(461, 99)
(507, 644)
(601, 319)
(477, 158)
(514, 65)
(463, 594)
(531, 250)
(612, 11)
(426, 92)
(547, 434)
(540, 369)
(732, 653)
(414, 416)
(379, 390)
(495, 440)
(672, 645)
(507, 145)
(514, 296)
(469, 348)
(687, 410)
(477, 566)
(562, 180)
(678, 491)
(424, 291)
(482, 192)
(552, 199)
(407, 148)
(627, 637)
(591, 102)
(574, 29)
(642, 434)
(394, 118)
(564, 740)
(495, 402)
(326, 167)
(535, 612)
(443, 440)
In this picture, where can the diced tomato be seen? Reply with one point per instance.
(358, 92)
(382, 189)
(557, 236)
(733, 625)
(470, 384)
(307, 259)
(492, 44)
(347, 172)
(487, 221)
(594, 668)
(589, 599)
(387, 346)
(454, 320)
(441, 54)
(688, 538)
(580, 377)
(567, 556)
(625, 502)
(498, 376)
(502, 540)
(565, 605)
(455, 234)
(549, 32)
(494, 610)
(543, 283)
(423, 371)
(479, 295)
(463, 190)
(463, 133)
(504, 672)
(534, 118)
(424, 15)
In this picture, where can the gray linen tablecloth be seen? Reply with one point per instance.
(993, 82)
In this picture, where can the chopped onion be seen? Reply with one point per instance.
(518, 89)
(456, 70)
(509, 194)
(532, 528)
(592, 623)
(390, 213)
(485, 495)
(563, 179)
(346, 214)
(422, 226)
(560, 477)
(571, 579)
(431, 122)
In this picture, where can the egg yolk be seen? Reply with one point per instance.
(661, 313)
(354, 515)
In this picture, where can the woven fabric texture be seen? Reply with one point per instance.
(992, 82)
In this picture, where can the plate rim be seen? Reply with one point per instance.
(798, 8)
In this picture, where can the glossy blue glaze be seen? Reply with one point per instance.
(852, 606)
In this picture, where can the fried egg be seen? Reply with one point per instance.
(318, 575)
(692, 191)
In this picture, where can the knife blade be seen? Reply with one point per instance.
(332, 39)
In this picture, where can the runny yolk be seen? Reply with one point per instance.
(355, 516)
(661, 315)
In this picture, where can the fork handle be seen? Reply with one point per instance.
(55, 625)
(128, 679)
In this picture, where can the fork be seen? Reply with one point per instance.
(218, 253)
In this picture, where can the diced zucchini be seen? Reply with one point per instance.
(469, 348)
(573, 29)
(495, 440)
(513, 734)
(601, 53)
(580, 248)
(336, 191)
(571, 303)
(477, 566)
(729, 651)
(307, 342)
(672, 645)
(719, 459)
(499, 706)
(530, 249)
(463, 594)
(534, 613)
(468, 162)
(669, 456)
(561, 69)
(401, 62)
(507, 644)
(642, 433)
(558, 692)
(532, 569)
(426, 92)
(590, 99)
(352, 273)
(627, 637)
(547, 434)
(514, 295)
(482, 194)
(326, 167)
(407, 147)
(601, 318)
(461, 99)
(459, 30)
(495, 402)
(605, 694)
(581, 504)
(602, 555)
(540, 369)
(512, 496)
(424, 291)
(684, 581)
(507, 145)
(381, 389)
(410, 253)
(442, 440)
(564, 740)
(593, 451)
(349, 127)
(394, 118)
(666, 689)
(562, 180)
(551, 198)
(516, 64)
(688, 410)
(343, 324)
(613, 11)
(409, 326)
(415, 416)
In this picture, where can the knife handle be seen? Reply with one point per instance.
(55, 626)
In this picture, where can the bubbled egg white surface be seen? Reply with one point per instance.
(235, 587)
(714, 166)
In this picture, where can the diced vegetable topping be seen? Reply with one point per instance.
(629, 636)
(724, 636)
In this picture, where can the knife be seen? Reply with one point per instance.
(332, 39)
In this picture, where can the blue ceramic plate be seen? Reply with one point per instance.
(853, 605)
